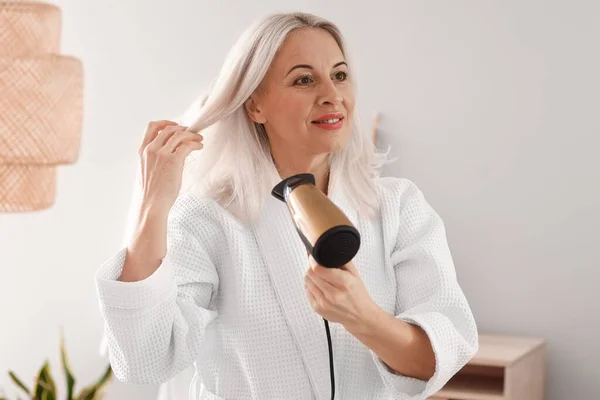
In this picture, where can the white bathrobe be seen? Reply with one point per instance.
(230, 299)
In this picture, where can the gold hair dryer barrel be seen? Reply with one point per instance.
(324, 229)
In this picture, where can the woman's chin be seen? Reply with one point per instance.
(329, 146)
(328, 141)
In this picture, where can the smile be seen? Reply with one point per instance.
(328, 121)
(330, 124)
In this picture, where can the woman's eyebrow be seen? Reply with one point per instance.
(310, 67)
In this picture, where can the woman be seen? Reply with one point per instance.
(215, 274)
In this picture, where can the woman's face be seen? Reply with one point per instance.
(306, 101)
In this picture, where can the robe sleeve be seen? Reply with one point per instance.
(428, 295)
(154, 327)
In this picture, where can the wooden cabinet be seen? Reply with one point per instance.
(504, 368)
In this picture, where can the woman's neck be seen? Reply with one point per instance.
(318, 166)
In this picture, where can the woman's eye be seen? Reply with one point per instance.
(303, 80)
(341, 76)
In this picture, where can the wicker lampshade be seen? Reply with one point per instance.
(41, 105)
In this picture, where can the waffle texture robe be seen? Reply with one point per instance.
(229, 299)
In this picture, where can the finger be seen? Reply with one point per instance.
(162, 137)
(350, 267)
(179, 138)
(334, 276)
(165, 135)
(311, 297)
(185, 149)
(330, 275)
(317, 293)
(152, 130)
(324, 287)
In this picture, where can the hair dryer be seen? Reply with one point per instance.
(324, 229)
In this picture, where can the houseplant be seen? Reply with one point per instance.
(45, 389)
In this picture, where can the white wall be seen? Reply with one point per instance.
(491, 108)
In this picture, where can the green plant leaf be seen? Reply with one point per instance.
(87, 393)
(105, 378)
(90, 392)
(19, 383)
(66, 367)
(45, 389)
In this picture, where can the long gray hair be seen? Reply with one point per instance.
(235, 166)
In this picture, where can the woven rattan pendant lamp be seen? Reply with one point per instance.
(41, 105)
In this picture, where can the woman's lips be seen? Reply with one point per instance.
(328, 125)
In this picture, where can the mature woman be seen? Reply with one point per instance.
(215, 274)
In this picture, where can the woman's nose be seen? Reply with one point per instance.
(330, 94)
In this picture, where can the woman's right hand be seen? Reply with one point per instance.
(163, 151)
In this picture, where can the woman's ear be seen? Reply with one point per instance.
(254, 110)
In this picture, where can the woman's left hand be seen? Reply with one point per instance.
(338, 294)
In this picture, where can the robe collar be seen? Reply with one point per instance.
(286, 260)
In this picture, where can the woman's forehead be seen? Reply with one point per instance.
(315, 47)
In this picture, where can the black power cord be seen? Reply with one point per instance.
(330, 359)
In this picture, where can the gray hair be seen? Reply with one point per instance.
(235, 166)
